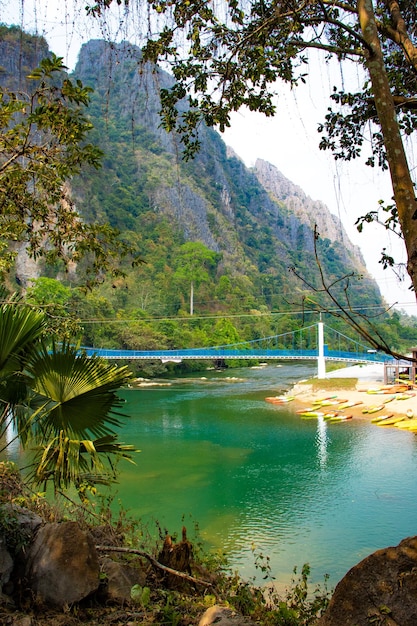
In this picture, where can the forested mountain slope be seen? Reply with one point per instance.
(258, 221)
(211, 225)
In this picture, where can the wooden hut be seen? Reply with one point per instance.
(401, 370)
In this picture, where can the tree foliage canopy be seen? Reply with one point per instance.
(227, 54)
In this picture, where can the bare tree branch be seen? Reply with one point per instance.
(356, 320)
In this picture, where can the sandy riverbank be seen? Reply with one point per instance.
(369, 379)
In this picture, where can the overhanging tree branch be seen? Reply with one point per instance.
(328, 48)
(399, 33)
(359, 322)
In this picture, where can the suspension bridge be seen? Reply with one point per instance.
(317, 341)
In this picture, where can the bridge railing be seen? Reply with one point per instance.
(195, 353)
(372, 357)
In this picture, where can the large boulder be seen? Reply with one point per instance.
(381, 589)
(62, 565)
(22, 521)
(6, 564)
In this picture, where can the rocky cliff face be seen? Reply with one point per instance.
(312, 213)
(20, 53)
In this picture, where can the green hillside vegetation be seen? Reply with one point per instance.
(205, 225)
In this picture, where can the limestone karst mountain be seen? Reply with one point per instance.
(257, 217)
(256, 221)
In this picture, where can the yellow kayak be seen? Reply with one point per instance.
(407, 424)
(405, 396)
(340, 418)
(381, 418)
(308, 415)
(349, 405)
(324, 403)
(373, 409)
(391, 420)
(323, 400)
(331, 414)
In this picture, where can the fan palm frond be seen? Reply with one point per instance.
(20, 328)
(81, 391)
(20, 331)
(58, 399)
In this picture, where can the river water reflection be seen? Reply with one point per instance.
(254, 475)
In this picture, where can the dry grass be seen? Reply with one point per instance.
(332, 384)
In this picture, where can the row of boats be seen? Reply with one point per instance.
(405, 422)
(322, 408)
(316, 410)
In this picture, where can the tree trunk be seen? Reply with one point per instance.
(404, 193)
(192, 298)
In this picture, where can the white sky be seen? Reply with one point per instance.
(289, 140)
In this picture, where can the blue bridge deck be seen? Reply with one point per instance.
(224, 353)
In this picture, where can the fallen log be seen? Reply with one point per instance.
(155, 563)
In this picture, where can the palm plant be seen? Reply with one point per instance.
(21, 329)
(76, 409)
(61, 403)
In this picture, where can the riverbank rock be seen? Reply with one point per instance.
(6, 564)
(62, 565)
(120, 578)
(381, 589)
(19, 526)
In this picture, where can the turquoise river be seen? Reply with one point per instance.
(255, 476)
